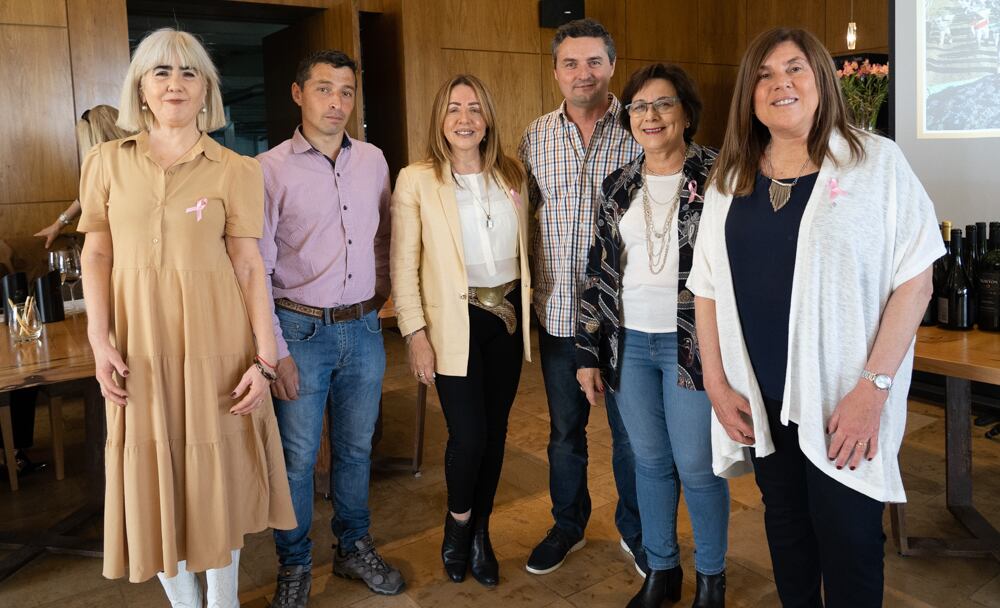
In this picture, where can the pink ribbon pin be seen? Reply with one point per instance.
(693, 192)
(835, 190)
(516, 197)
(198, 208)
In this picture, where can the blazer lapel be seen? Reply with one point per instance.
(449, 206)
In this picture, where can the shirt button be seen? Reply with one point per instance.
(345, 207)
(155, 241)
(349, 241)
(349, 276)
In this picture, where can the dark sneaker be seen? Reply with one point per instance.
(552, 551)
(364, 563)
(294, 583)
(638, 556)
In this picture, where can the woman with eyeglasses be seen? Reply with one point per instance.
(636, 331)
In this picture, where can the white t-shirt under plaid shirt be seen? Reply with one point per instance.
(564, 185)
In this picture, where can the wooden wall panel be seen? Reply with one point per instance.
(715, 83)
(33, 12)
(764, 14)
(722, 31)
(486, 25)
(662, 30)
(872, 17)
(98, 44)
(38, 158)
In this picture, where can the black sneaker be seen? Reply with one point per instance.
(552, 551)
(638, 556)
(294, 583)
(364, 563)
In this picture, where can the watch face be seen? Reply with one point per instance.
(883, 382)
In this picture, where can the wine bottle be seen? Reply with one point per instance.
(971, 260)
(989, 283)
(940, 276)
(959, 288)
(981, 241)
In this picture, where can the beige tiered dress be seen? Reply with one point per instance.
(185, 478)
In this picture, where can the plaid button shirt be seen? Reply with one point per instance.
(564, 187)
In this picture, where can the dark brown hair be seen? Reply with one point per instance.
(583, 28)
(333, 58)
(686, 90)
(746, 137)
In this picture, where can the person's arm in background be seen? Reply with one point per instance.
(53, 230)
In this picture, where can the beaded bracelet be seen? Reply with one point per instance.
(260, 359)
(268, 374)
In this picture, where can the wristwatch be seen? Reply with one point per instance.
(882, 382)
(65, 220)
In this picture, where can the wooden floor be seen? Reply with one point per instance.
(407, 513)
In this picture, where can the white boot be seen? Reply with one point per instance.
(183, 590)
(223, 584)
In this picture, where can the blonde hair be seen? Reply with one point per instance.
(735, 170)
(162, 47)
(495, 161)
(96, 127)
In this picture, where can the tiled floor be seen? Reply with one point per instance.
(407, 513)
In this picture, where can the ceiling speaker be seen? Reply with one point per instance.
(553, 13)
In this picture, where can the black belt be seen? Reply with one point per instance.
(337, 314)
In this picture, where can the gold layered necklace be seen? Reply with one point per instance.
(779, 192)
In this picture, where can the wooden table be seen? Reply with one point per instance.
(962, 357)
(62, 355)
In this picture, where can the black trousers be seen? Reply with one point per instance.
(22, 417)
(818, 529)
(476, 407)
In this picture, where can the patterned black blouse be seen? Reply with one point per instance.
(598, 335)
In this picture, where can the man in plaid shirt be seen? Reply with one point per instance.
(568, 153)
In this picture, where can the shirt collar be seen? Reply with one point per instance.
(301, 145)
(205, 145)
(611, 114)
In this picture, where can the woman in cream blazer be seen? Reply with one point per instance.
(460, 287)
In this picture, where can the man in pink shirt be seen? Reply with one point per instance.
(326, 256)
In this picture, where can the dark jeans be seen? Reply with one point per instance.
(22, 417)
(476, 407)
(568, 415)
(818, 530)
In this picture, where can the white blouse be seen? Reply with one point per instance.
(489, 231)
(866, 230)
(649, 301)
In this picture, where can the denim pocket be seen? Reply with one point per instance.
(372, 322)
(297, 329)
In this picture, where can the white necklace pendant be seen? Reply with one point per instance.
(489, 223)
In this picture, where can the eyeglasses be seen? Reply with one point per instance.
(660, 106)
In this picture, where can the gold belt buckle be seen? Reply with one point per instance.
(490, 296)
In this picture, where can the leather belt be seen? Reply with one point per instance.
(338, 314)
(494, 300)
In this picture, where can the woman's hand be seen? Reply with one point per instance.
(854, 425)
(50, 233)
(590, 383)
(421, 357)
(733, 412)
(108, 361)
(256, 387)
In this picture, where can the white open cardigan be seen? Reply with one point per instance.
(867, 229)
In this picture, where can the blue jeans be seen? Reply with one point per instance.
(671, 433)
(341, 366)
(568, 415)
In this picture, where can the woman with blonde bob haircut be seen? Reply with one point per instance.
(180, 326)
(811, 273)
(460, 285)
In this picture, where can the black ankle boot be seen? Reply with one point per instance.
(660, 586)
(710, 591)
(455, 547)
(483, 562)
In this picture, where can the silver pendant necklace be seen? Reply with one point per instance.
(486, 208)
(658, 241)
(779, 192)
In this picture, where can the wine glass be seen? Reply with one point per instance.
(67, 262)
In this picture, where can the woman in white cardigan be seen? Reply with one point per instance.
(812, 270)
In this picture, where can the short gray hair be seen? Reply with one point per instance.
(162, 47)
(583, 28)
